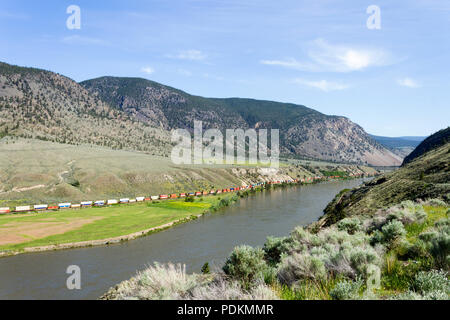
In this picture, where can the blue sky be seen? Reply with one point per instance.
(394, 81)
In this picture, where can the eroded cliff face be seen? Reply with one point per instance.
(303, 131)
(339, 139)
(137, 114)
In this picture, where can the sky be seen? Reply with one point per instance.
(390, 73)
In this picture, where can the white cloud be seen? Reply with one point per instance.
(323, 57)
(148, 70)
(195, 55)
(184, 72)
(323, 85)
(288, 63)
(408, 82)
(79, 40)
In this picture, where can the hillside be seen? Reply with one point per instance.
(399, 142)
(303, 131)
(138, 114)
(436, 140)
(44, 105)
(425, 177)
(401, 146)
(374, 243)
(401, 254)
(33, 171)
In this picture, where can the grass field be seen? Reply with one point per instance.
(52, 228)
(34, 172)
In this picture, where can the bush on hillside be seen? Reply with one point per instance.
(325, 254)
(434, 280)
(351, 225)
(346, 290)
(247, 265)
(436, 203)
(389, 233)
(274, 248)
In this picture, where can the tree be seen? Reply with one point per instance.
(205, 268)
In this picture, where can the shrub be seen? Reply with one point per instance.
(189, 199)
(159, 282)
(337, 251)
(436, 203)
(418, 249)
(443, 224)
(389, 233)
(351, 225)
(436, 295)
(221, 289)
(297, 267)
(346, 290)
(393, 230)
(408, 295)
(438, 245)
(275, 247)
(205, 268)
(411, 295)
(434, 280)
(408, 204)
(163, 282)
(246, 264)
(407, 214)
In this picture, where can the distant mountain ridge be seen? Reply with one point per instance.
(138, 114)
(399, 142)
(44, 105)
(402, 146)
(303, 131)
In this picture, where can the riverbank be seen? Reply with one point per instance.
(85, 173)
(209, 238)
(399, 254)
(100, 226)
(106, 226)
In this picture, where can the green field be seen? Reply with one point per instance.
(34, 172)
(43, 229)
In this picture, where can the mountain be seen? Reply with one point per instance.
(402, 146)
(438, 139)
(398, 142)
(47, 106)
(303, 131)
(425, 176)
(138, 114)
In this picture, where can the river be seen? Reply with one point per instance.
(208, 239)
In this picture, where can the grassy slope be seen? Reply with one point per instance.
(329, 263)
(402, 262)
(114, 221)
(426, 177)
(77, 173)
(407, 244)
(434, 141)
